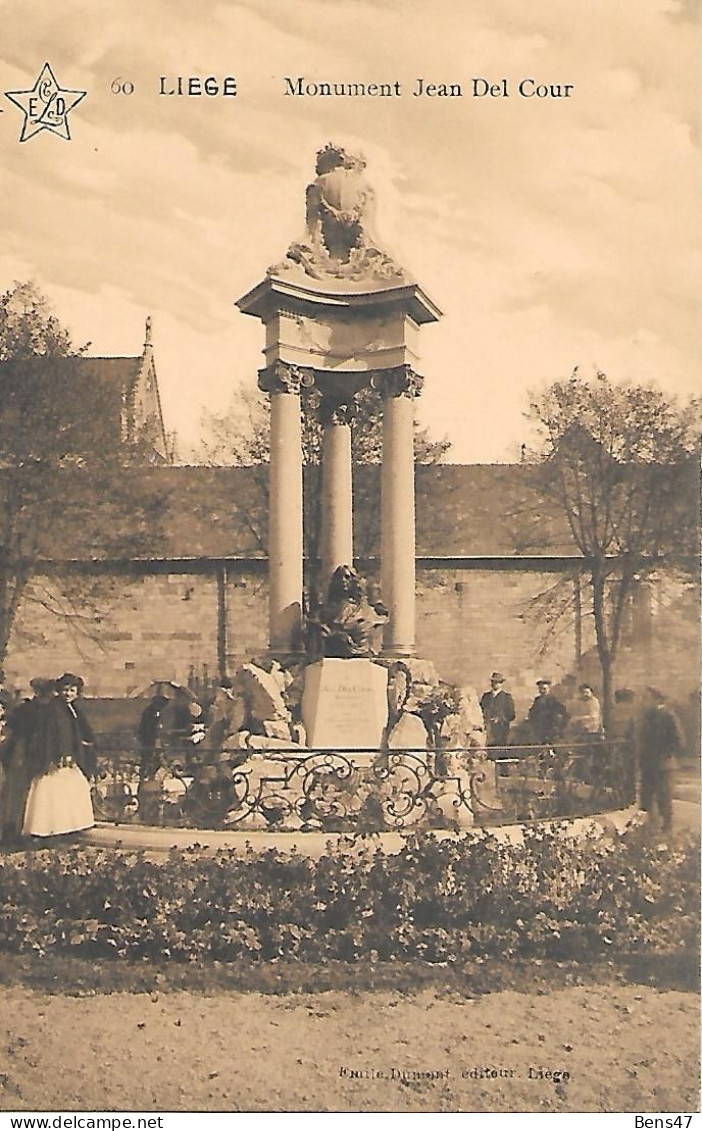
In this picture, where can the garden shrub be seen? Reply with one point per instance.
(435, 901)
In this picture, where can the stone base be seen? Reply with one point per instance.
(344, 704)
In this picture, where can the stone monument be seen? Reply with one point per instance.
(345, 698)
(340, 313)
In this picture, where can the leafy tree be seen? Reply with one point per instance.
(66, 491)
(618, 461)
(241, 437)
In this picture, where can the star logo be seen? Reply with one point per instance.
(46, 106)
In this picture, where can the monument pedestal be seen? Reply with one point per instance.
(344, 704)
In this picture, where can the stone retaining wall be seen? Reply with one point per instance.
(166, 621)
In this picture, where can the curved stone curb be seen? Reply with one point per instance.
(206, 842)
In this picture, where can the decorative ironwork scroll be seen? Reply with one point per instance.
(364, 791)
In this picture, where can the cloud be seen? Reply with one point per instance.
(550, 231)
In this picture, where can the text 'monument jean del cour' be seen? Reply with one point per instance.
(478, 87)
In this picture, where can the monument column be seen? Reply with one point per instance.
(398, 387)
(282, 383)
(337, 488)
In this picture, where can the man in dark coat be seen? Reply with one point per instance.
(497, 706)
(149, 737)
(661, 739)
(547, 716)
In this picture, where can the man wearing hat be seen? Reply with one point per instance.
(661, 740)
(547, 716)
(498, 711)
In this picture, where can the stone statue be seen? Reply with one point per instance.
(466, 728)
(339, 241)
(347, 623)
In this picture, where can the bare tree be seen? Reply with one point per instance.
(621, 465)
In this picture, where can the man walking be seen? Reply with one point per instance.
(661, 740)
(498, 711)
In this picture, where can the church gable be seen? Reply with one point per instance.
(121, 393)
(142, 415)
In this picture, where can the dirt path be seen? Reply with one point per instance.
(625, 1048)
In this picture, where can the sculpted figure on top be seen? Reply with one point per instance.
(339, 241)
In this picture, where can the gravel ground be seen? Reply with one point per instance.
(624, 1049)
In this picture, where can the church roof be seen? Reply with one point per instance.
(123, 388)
(118, 371)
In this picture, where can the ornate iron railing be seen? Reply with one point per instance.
(576, 779)
(360, 791)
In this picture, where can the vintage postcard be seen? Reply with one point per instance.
(349, 558)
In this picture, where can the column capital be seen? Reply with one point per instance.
(335, 409)
(280, 377)
(402, 381)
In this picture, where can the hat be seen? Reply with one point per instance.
(42, 686)
(543, 683)
(497, 677)
(68, 679)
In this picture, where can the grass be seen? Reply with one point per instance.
(78, 976)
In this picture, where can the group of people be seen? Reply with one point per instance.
(652, 733)
(48, 760)
(548, 719)
(48, 756)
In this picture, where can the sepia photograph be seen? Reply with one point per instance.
(350, 439)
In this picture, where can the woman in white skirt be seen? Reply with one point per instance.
(63, 758)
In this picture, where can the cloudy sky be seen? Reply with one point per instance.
(551, 232)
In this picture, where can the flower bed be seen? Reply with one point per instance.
(437, 901)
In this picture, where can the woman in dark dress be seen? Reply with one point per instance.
(16, 753)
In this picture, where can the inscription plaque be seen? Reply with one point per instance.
(344, 704)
